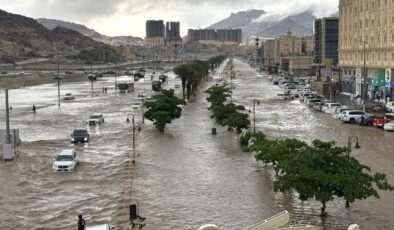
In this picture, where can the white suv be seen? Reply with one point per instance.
(390, 106)
(96, 118)
(351, 116)
(66, 161)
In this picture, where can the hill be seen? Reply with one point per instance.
(260, 23)
(23, 37)
(115, 41)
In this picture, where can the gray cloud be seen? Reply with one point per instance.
(191, 12)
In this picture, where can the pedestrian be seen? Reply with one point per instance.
(34, 109)
(10, 108)
(362, 119)
(105, 89)
(81, 223)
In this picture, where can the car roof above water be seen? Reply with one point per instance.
(67, 152)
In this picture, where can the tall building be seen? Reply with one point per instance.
(366, 35)
(173, 34)
(220, 35)
(154, 28)
(326, 41)
(155, 33)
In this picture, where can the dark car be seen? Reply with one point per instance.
(368, 120)
(80, 135)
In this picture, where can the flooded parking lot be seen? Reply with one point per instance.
(182, 178)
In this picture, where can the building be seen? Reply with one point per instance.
(326, 41)
(173, 34)
(221, 35)
(155, 33)
(366, 38)
(154, 28)
(158, 35)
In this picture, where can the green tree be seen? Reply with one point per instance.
(218, 95)
(238, 121)
(185, 72)
(164, 109)
(324, 172)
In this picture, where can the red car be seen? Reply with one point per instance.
(378, 121)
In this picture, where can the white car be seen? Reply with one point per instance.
(136, 105)
(96, 119)
(68, 96)
(389, 126)
(330, 107)
(101, 227)
(338, 111)
(390, 106)
(351, 116)
(66, 161)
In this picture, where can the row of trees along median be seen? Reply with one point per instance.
(320, 170)
(226, 114)
(166, 106)
(192, 73)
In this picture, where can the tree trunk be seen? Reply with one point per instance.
(347, 204)
(183, 88)
(323, 209)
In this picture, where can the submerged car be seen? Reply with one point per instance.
(80, 135)
(96, 119)
(68, 96)
(101, 227)
(66, 161)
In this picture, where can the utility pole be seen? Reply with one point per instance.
(58, 76)
(254, 114)
(365, 77)
(115, 79)
(7, 117)
(133, 133)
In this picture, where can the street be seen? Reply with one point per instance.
(183, 178)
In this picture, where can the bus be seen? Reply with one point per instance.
(125, 87)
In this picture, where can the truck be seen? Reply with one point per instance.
(125, 87)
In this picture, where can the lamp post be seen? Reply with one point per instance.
(254, 114)
(133, 123)
(58, 76)
(350, 141)
(257, 51)
(115, 79)
(364, 96)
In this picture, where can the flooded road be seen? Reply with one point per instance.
(182, 178)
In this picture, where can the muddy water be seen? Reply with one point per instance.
(184, 177)
(31, 195)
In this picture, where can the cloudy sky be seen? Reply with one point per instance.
(127, 17)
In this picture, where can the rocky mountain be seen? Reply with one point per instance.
(263, 24)
(22, 37)
(115, 41)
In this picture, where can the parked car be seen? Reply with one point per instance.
(285, 96)
(96, 119)
(69, 72)
(317, 106)
(390, 106)
(368, 120)
(80, 135)
(296, 92)
(68, 96)
(311, 102)
(177, 86)
(66, 161)
(379, 121)
(329, 107)
(389, 126)
(351, 116)
(339, 110)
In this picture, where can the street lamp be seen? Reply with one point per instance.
(254, 114)
(364, 96)
(58, 75)
(132, 120)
